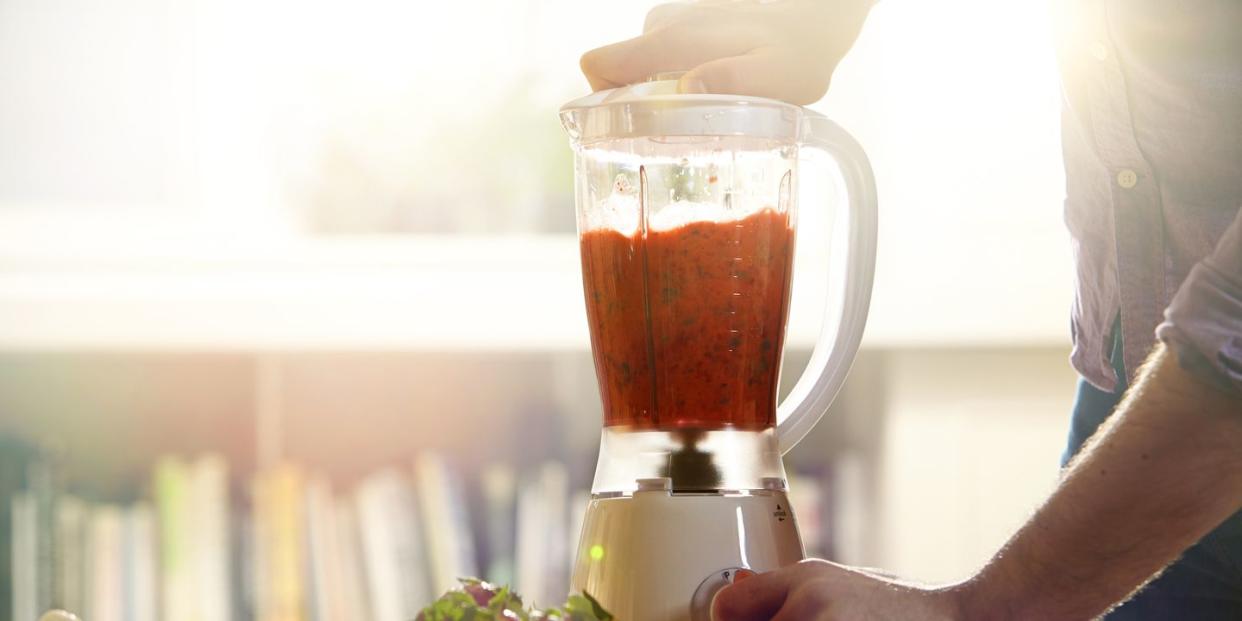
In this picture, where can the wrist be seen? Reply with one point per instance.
(972, 599)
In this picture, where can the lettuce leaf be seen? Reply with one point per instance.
(476, 600)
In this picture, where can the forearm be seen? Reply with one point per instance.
(1162, 472)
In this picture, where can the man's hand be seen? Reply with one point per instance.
(817, 590)
(783, 49)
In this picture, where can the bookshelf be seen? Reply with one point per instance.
(112, 418)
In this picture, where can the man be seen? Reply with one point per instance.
(1152, 132)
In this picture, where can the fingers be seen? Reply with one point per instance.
(664, 14)
(771, 72)
(798, 592)
(780, 50)
(671, 48)
(810, 600)
(756, 598)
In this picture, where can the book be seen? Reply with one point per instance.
(208, 537)
(350, 573)
(71, 554)
(140, 563)
(25, 596)
(106, 582)
(279, 518)
(555, 477)
(14, 457)
(41, 481)
(442, 505)
(337, 579)
(392, 547)
(247, 577)
(529, 554)
(542, 551)
(171, 487)
(499, 497)
(324, 601)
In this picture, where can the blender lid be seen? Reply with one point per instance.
(655, 109)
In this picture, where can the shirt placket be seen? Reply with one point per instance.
(1134, 190)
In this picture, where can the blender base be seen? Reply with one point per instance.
(659, 556)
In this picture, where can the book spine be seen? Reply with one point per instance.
(143, 584)
(171, 502)
(24, 557)
(13, 459)
(450, 549)
(499, 491)
(531, 553)
(395, 559)
(107, 569)
(320, 551)
(251, 552)
(351, 572)
(42, 483)
(70, 557)
(209, 503)
(280, 517)
(555, 480)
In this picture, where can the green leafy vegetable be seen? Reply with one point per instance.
(477, 600)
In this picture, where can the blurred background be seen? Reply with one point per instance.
(326, 248)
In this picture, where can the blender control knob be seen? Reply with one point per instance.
(701, 603)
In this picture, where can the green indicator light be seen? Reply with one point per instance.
(597, 552)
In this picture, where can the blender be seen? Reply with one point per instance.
(687, 208)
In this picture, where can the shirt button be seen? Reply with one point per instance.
(1127, 178)
(1099, 51)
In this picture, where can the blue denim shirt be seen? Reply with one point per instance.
(1152, 134)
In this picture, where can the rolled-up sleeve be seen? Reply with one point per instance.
(1203, 324)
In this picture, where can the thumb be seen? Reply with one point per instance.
(764, 72)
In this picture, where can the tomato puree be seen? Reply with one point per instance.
(687, 323)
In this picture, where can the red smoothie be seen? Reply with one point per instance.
(687, 324)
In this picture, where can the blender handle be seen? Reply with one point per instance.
(835, 349)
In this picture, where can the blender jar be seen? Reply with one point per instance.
(686, 209)
(687, 248)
